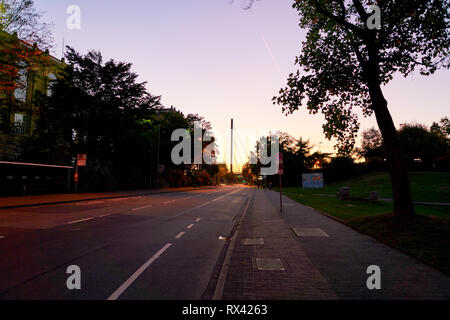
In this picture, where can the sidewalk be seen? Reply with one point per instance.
(34, 200)
(328, 260)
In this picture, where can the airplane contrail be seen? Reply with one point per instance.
(271, 54)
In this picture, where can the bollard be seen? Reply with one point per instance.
(344, 193)
(373, 196)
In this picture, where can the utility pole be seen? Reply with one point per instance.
(281, 193)
(68, 180)
(75, 177)
(63, 55)
(231, 162)
(280, 172)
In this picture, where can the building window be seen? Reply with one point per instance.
(20, 123)
(21, 92)
(51, 78)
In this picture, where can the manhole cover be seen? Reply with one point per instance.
(269, 264)
(250, 241)
(310, 232)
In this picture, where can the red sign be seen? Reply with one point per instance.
(81, 160)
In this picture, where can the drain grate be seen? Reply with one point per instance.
(272, 221)
(310, 232)
(264, 264)
(252, 241)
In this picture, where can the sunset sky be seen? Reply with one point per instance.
(213, 58)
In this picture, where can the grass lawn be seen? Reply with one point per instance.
(345, 210)
(427, 186)
(427, 236)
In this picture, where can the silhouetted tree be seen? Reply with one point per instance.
(420, 146)
(344, 64)
(372, 147)
(442, 129)
(99, 108)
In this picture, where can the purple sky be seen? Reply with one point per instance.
(213, 58)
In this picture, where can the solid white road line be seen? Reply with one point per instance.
(105, 215)
(72, 222)
(190, 226)
(120, 199)
(138, 272)
(179, 235)
(226, 263)
(149, 206)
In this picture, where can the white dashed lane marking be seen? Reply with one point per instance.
(87, 219)
(179, 235)
(190, 226)
(72, 222)
(149, 206)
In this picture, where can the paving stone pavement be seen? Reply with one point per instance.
(299, 280)
(317, 267)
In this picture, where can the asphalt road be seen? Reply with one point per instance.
(160, 246)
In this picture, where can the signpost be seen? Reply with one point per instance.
(81, 162)
(280, 172)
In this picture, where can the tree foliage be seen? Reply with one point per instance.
(24, 39)
(247, 173)
(297, 157)
(345, 62)
(100, 108)
(372, 148)
(422, 147)
(22, 18)
(442, 129)
(342, 61)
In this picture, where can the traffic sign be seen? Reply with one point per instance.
(81, 160)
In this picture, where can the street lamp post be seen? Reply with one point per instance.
(157, 169)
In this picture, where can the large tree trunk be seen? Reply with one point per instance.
(403, 203)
